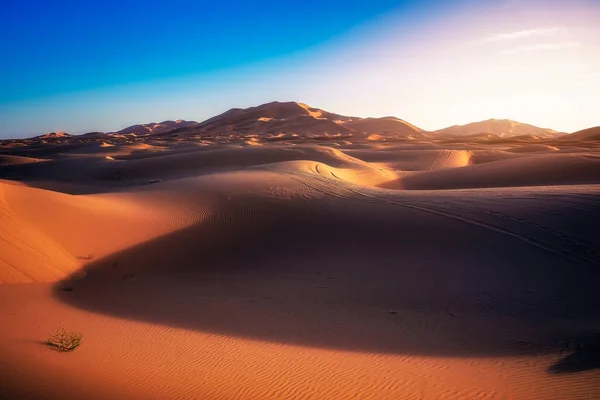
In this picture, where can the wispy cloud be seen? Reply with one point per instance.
(523, 34)
(541, 47)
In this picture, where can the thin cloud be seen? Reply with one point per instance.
(523, 34)
(540, 47)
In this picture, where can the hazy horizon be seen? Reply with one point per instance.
(434, 64)
(274, 101)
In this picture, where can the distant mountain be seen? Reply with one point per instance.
(92, 135)
(385, 126)
(154, 128)
(54, 135)
(276, 117)
(481, 136)
(279, 111)
(302, 119)
(503, 128)
(585, 134)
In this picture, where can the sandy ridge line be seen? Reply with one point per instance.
(434, 164)
(447, 154)
(323, 185)
(567, 197)
(529, 207)
(528, 240)
(562, 237)
(19, 270)
(531, 241)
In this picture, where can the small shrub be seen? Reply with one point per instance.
(64, 341)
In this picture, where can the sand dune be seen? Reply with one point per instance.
(585, 134)
(12, 160)
(503, 128)
(141, 170)
(154, 128)
(532, 148)
(303, 264)
(89, 227)
(387, 126)
(414, 160)
(54, 135)
(555, 169)
(27, 254)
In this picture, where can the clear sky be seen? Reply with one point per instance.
(80, 66)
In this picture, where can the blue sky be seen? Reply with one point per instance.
(63, 46)
(81, 66)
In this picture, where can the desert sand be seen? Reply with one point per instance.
(284, 252)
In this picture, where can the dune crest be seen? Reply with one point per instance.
(503, 128)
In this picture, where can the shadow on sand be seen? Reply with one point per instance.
(382, 279)
(586, 356)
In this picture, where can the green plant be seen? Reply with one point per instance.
(63, 340)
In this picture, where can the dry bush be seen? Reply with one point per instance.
(63, 340)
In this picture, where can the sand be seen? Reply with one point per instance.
(306, 267)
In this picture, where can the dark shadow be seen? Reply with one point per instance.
(382, 279)
(92, 175)
(585, 357)
(45, 344)
(37, 342)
